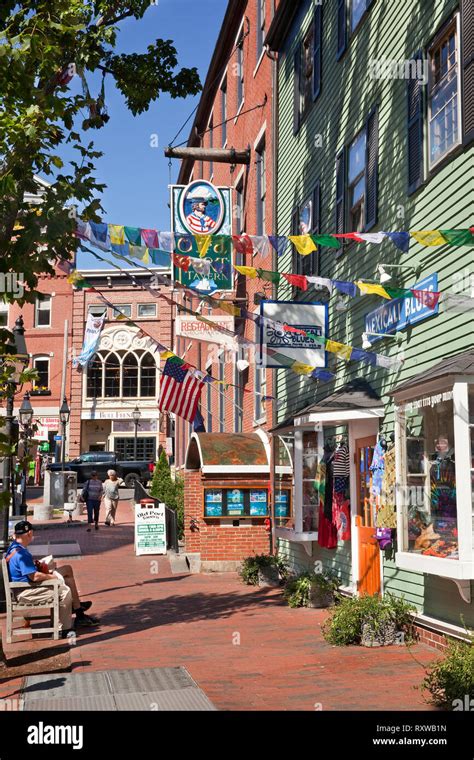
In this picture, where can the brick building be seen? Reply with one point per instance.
(124, 372)
(235, 111)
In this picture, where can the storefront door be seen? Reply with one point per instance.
(369, 553)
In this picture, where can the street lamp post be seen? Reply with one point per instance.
(136, 414)
(64, 414)
(25, 414)
(18, 358)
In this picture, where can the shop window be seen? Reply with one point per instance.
(122, 308)
(130, 376)
(125, 448)
(283, 452)
(428, 492)
(310, 495)
(43, 311)
(444, 113)
(146, 310)
(147, 375)
(235, 502)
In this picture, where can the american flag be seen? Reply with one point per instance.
(180, 390)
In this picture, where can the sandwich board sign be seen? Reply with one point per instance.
(150, 528)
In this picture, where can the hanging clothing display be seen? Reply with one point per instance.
(341, 461)
(342, 516)
(328, 459)
(377, 467)
(327, 530)
(386, 516)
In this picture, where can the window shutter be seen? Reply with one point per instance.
(340, 188)
(317, 48)
(371, 169)
(297, 90)
(341, 27)
(415, 114)
(316, 226)
(467, 74)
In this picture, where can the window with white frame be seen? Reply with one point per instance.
(122, 308)
(260, 27)
(121, 374)
(43, 311)
(356, 182)
(41, 365)
(444, 112)
(261, 187)
(146, 310)
(3, 314)
(97, 310)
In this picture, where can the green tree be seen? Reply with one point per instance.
(43, 44)
(162, 487)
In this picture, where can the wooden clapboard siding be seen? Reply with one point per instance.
(394, 31)
(337, 560)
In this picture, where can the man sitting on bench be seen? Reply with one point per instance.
(22, 568)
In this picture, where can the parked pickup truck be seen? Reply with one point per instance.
(101, 461)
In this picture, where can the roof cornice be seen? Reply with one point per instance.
(281, 23)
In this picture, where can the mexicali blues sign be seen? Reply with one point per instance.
(397, 314)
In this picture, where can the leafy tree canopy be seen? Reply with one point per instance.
(43, 44)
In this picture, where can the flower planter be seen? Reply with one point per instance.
(384, 635)
(320, 598)
(268, 576)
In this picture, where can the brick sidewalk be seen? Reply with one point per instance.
(245, 647)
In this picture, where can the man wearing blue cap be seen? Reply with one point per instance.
(22, 568)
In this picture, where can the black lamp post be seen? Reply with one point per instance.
(18, 359)
(25, 414)
(136, 414)
(64, 414)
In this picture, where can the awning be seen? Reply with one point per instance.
(229, 453)
(355, 400)
(458, 366)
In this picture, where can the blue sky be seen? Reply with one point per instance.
(136, 174)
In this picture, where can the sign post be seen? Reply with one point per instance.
(150, 527)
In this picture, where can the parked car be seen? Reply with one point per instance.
(101, 461)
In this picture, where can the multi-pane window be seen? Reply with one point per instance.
(41, 365)
(146, 310)
(261, 189)
(145, 448)
(121, 374)
(240, 73)
(260, 27)
(304, 68)
(43, 311)
(221, 394)
(122, 308)
(443, 99)
(224, 111)
(356, 182)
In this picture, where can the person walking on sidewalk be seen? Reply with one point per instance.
(22, 568)
(111, 496)
(92, 494)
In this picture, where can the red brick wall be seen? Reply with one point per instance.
(241, 132)
(213, 541)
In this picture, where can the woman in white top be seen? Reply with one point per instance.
(111, 496)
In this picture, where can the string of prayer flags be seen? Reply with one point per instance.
(150, 238)
(260, 244)
(303, 244)
(367, 288)
(326, 240)
(116, 233)
(166, 241)
(268, 276)
(320, 282)
(229, 308)
(348, 288)
(242, 244)
(201, 266)
(372, 237)
(343, 351)
(279, 243)
(359, 355)
(247, 271)
(428, 237)
(459, 237)
(182, 262)
(302, 369)
(133, 235)
(139, 252)
(427, 297)
(298, 280)
(323, 374)
(203, 242)
(400, 239)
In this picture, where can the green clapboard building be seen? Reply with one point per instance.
(375, 133)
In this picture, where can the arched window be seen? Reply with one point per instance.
(148, 375)
(95, 372)
(112, 376)
(130, 376)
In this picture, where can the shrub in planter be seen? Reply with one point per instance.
(311, 590)
(450, 681)
(263, 569)
(368, 620)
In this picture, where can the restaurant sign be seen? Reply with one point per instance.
(309, 318)
(192, 328)
(396, 314)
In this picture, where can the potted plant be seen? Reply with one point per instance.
(369, 620)
(311, 590)
(378, 625)
(263, 570)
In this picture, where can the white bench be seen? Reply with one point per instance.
(18, 609)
